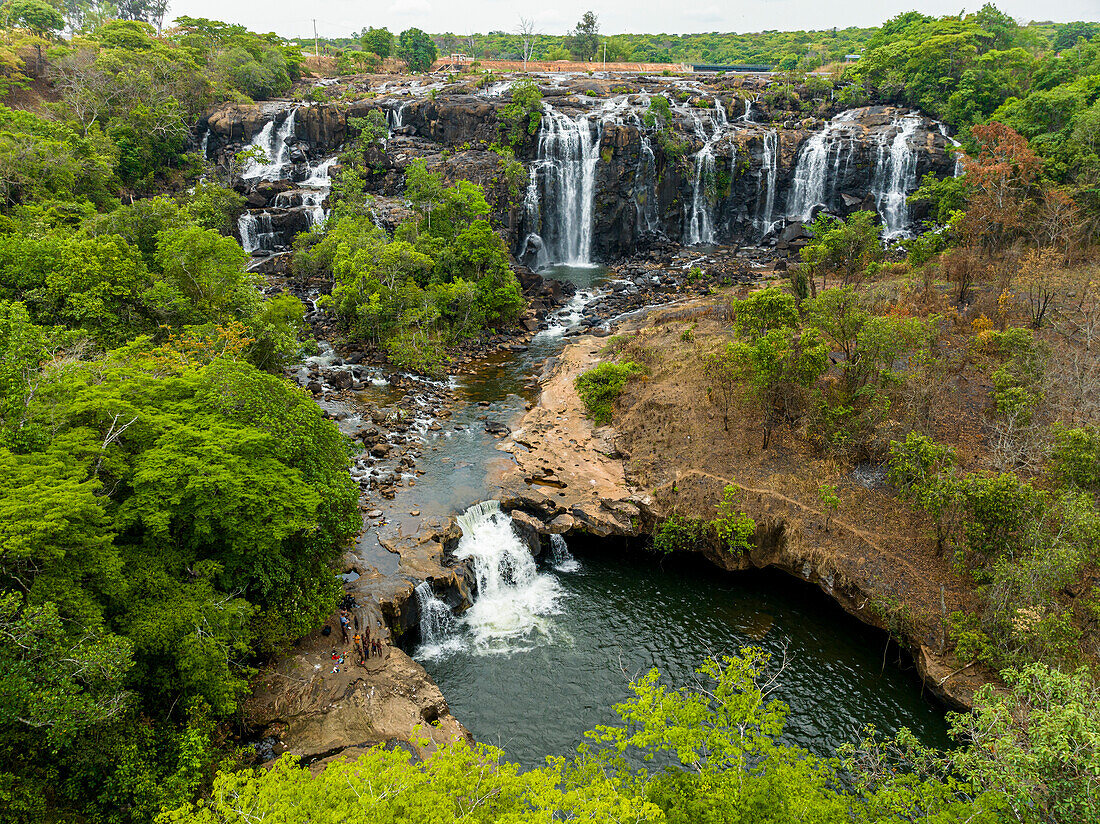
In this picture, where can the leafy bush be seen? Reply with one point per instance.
(677, 534)
(600, 386)
(520, 118)
(734, 529)
(843, 248)
(1075, 458)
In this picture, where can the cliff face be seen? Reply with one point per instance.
(603, 182)
(756, 177)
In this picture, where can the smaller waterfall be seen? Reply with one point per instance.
(437, 622)
(769, 174)
(560, 556)
(895, 176)
(396, 117)
(813, 185)
(645, 182)
(317, 187)
(747, 116)
(257, 232)
(700, 228)
(698, 214)
(513, 597)
(275, 144)
(204, 144)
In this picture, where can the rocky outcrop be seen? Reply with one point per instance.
(449, 120)
(732, 181)
(571, 477)
(315, 708)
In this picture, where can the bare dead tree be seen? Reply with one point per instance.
(527, 34)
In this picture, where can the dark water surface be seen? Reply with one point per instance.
(621, 613)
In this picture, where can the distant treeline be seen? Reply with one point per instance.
(803, 50)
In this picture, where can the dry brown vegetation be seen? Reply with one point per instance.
(675, 435)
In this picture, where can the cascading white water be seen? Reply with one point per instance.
(204, 144)
(514, 599)
(257, 232)
(958, 155)
(437, 623)
(396, 117)
(275, 144)
(747, 116)
(645, 180)
(895, 177)
(769, 174)
(699, 219)
(316, 188)
(560, 556)
(568, 150)
(700, 228)
(813, 185)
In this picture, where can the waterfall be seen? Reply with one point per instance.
(257, 232)
(698, 217)
(513, 597)
(437, 622)
(809, 177)
(560, 556)
(275, 144)
(895, 176)
(747, 116)
(958, 154)
(769, 174)
(204, 143)
(316, 189)
(568, 149)
(645, 181)
(700, 228)
(813, 185)
(396, 117)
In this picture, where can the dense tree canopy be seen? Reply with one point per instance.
(417, 50)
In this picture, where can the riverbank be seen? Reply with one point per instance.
(668, 452)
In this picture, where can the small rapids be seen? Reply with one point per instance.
(515, 601)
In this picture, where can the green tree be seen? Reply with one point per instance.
(778, 369)
(377, 41)
(584, 40)
(843, 248)
(600, 387)
(38, 17)
(416, 49)
(521, 117)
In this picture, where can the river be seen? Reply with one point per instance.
(547, 651)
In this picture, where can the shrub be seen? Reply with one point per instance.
(733, 527)
(677, 534)
(600, 386)
(1075, 458)
(844, 248)
(521, 117)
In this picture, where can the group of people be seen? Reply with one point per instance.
(365, 646)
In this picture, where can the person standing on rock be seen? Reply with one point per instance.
(344, 628)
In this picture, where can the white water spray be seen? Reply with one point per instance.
(560, 556)
(275, 144)
(568, 150)
(514, 600)
(895, 176)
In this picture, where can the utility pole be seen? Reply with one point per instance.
(316, 48)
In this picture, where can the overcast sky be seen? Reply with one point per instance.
(339, 18)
